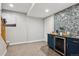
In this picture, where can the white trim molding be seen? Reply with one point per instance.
(26, 42)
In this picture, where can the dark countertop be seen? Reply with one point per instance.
(73, 37)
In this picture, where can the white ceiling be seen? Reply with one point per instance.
(37, 9)
(18, 7)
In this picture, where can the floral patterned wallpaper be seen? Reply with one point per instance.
(68, 19)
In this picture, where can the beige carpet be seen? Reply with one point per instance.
(31, 49)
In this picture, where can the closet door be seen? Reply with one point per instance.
(21, 28)
(35, 29)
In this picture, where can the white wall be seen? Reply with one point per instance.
(48, 26)
(15, 34)
(0, 9)
(27, 28)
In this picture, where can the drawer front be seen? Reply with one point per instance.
(73, 47)
(73, 39)
(73, 42)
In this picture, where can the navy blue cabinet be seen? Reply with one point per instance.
(51, 41)
(72, 47)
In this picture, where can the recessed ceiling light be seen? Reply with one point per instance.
(11, 5)
(46, 10)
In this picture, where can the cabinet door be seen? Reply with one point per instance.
(51, 41)
(73, 47)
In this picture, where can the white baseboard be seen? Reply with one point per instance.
(45, 39)
(26, 42)
(4, 52)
